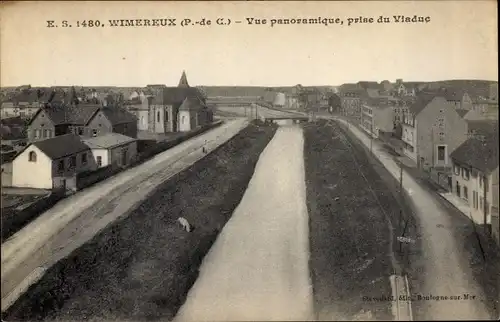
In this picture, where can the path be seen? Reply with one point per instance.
(258, 267)
(75, 220)
(446, 273)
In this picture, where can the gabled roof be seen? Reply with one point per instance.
(478, 154)
(117, 115)
(462, 112)
(108, 141)
(61, 146)
(483, 127)
(421, 103)
(190, 104)
(176, 95)
(60, 113)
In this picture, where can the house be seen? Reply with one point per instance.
(87, 120)
(112, 149)
(52, 163)
(111, 119)
(23, 104)
(431, 130)
(351, 100)
(139, 106)
(376, 116)
(458, 97)
(163, 114)
(475, 175)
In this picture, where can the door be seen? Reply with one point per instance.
(124, 157)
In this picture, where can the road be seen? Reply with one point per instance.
(258, 267)
(57, 232)
(446, 271)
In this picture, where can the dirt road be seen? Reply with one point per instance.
(75, 220)
(258, 267)
(446, 273)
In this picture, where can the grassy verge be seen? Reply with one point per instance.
(142, 267)
(351, 243)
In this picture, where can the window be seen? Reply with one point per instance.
(32, 156)
(183, 119)
(99, 161)
(49, 133)
(45, 133)
(465, 174)
(166, 115)
(457, 170)
(60, 166)
(158, 116)
(72, 161)
(94, 132)
(480, 181)
(84, 158)
(474, 199)
(441, 153)
(80, 131)
(458, 189)
(37, 134)
(466, 193)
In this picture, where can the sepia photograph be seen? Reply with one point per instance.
(249, 160)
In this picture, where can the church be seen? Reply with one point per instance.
(173, 109)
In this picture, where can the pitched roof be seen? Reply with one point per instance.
(190, 104)
(117, 115)
(175, 95)
(421, 103)
(61, 146)
(462, 112)
(108, 140)
(478, 154)
(483, 127)
(60, 113)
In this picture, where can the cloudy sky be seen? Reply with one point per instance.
(459, 42)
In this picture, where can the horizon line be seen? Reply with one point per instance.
(218, 85)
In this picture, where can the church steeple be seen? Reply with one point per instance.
(183, 81)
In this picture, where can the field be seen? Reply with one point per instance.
(143, 266)
(352, 207)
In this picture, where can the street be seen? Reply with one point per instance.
(446, 270)
(258, 267)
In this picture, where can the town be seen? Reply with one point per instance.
(84, 168)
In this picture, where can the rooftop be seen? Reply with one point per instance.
(61, 146)
(108, 140)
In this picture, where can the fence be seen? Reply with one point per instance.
(86, 179)
(13, 220)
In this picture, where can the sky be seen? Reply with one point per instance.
(459, 42)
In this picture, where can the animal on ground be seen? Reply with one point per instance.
(185, 224)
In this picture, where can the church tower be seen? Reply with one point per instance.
(183, 82)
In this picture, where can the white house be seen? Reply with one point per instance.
(52, 163)
(112, 149)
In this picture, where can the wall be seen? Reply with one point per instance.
(128, 129)
(383, 119)
(142, 119)
(184, 121)
(474, 184)
(69, 173)
(410, 138)
(104, 154)
(32, 174)
(116, 154)
(99, 123)
(7, 174)
(41, 122)
(454, 131)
